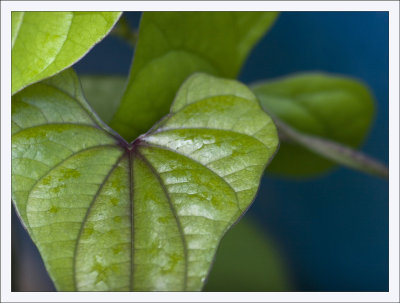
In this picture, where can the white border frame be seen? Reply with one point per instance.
(391, 6)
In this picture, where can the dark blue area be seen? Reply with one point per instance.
(351, 43)
(332, 230)
(112, 56)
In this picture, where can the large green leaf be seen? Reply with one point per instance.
(45, 43)
(147, 215)
(248, 260)
(332, 107)
(173, 45)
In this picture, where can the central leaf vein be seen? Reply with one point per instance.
(130, 167)
(173, 211)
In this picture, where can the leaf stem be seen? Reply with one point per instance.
(332, 150)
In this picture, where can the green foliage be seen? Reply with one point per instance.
(45, 43)
(103, 93)
(172, 46)
(108, 215)
(149, 215)
(247, 260)
(332, 107)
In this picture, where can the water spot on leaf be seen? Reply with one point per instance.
(163, 219)
(88, 232)
(57, 189)
(111, 232)
(101, 272)
(46, 180)
(53, 209)
(69, 173)
(118, 184)
(174, 259)
(117, 250)
(154, 248)
(114, 201)
(114, 267)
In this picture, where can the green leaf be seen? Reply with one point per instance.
(148, 215)
(248, 260)
(172, 46)
(103, 93)
(332, 107)
(45, 43)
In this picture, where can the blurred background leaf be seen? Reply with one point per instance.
(103, 93)
(248, 260)
(173, 45)
(328, 106)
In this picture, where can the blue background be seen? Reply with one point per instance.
(331, 230)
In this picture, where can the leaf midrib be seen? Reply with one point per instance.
(130, 167)
(173, 211)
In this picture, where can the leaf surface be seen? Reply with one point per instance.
(332, 107)
(108, 215)
(172, 46)
(45, 43)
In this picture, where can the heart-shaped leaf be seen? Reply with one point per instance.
(173, 45)
(332, 107)
(108, 215)
(45, 43)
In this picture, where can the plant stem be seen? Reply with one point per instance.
(331, 150)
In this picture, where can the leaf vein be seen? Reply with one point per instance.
(173, 210)
(101, 185)
(59, 123)
(166, 129)
(187, 157)
(18, 30)
(61, 162)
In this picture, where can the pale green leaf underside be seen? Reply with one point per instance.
(333, 107)
(172, 46)
(45, 43)
(111, 216)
